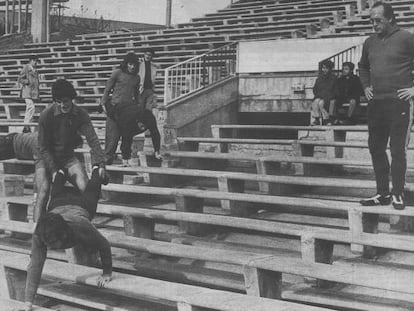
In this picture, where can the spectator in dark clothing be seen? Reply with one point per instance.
(59, 128)
(386, 71)
(147, 73)
(348, 91)
(132, 121)
(68, 224)
(123, 85)
(324, 91)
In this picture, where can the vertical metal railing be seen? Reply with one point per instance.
(352, 54)
(198, 72)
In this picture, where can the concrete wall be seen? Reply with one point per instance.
(216, 104)
(289, 92)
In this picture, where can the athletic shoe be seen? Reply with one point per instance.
(398, 201)
(105, 179)
(327, 122)
(316, 122)
(378, 199)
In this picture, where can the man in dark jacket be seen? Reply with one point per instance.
(348, 91)
(59, 128)
(386, 75)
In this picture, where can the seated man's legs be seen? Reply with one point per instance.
(77, 173)
(333, 111)
(315, 112)
(353, 104)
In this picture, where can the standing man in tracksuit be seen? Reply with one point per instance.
(386, 74)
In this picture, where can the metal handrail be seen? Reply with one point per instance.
(198, 72)
(351, 54)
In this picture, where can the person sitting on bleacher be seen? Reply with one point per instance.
(68, 224)
(124, 87)
(59, 126)
(324, 91)
(132, 121)
(24, 146)
(348, 91)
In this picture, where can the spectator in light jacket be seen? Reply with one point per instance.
(29, 79)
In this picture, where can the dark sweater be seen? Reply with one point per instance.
(347, 88)
(59, 133)
(387, 63)
(324, 87)
(124, 88)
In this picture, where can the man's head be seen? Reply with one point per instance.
(382, 18)
(326, 66)
(347, 68)
(148, 55)
(63, 94)
(53, 230)
(33, 60)
(130, 63)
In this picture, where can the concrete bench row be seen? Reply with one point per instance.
(305, 267)
(185, 297)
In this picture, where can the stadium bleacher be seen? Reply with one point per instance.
(221, 223)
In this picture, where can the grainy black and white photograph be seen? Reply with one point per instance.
(206, 155)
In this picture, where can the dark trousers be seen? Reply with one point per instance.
(148, 120)
(112, 136)
(389, 120)
(60, 195)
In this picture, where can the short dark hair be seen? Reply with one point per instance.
(327, 63)
(51, 227)
(33, 57)
(388, 10)
(62, 88)
(132, 58)
(350, 65)
(150, 50)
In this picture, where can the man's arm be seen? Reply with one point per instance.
(34, 271)
(109, 87)
(86, 129)
(88, 235)
(364, 66)
(22, 79)
(45, 141)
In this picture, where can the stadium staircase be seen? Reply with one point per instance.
(212, 226)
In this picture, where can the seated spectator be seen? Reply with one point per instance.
(348, 91)
(324, 91)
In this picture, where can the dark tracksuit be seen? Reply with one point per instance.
(127, 120)
(386, 65)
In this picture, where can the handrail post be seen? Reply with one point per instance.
(166, 91)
